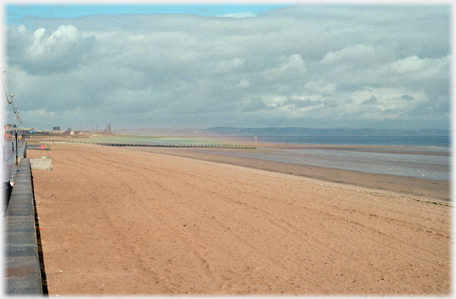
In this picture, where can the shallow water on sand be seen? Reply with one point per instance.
(429, 163)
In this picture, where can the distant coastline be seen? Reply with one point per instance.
(300, 131)
(433, 141)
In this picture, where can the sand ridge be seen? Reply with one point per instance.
(116, 221)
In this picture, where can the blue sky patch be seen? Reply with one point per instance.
(14, 13)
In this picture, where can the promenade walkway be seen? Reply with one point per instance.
(23, 275)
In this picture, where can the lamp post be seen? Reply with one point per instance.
(12, 122)
(19, 118)
(15, 133)
(12, 117)
(12, 126)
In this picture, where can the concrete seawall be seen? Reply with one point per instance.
(41, 163)
(22, 263)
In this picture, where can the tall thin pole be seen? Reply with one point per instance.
(16, 146)
(12, 123)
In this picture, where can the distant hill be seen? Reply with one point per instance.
(298, 131)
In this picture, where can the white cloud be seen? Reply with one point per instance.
(292, 65)
(357, 55)
(239, 15)
(320, 87)
(62, 50)
(229, 66)
(416, 68)
(243, 84)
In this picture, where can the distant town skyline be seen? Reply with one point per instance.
(206, 65)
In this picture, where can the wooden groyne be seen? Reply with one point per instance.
(134, 144)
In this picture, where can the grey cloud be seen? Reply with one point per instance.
(254, 105)
(330, 103)
(407, 97)
(389, 112)
(347, 87)
(430, 109)
(437, 89)
(301, 103)
(372, 100)
(190, 68)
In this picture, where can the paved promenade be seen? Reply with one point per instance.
(22, 264)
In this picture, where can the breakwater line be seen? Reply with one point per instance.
(143, 144)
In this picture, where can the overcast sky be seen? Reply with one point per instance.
(308, 65)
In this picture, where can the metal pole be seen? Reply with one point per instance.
(12, 123)
(16, 146)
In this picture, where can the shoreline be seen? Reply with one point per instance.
(424, 189)
(390, 149)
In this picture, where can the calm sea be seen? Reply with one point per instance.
(412, 156)
(428, 141)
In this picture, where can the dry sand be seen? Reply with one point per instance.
(120, 221)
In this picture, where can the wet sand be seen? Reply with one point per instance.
(425, 189)
(121, 221)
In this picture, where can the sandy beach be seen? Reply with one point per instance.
(424, 189)
(120, 221)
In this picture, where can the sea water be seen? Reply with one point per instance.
(412, 156)
(427, 141)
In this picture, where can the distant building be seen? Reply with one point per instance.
(55, 128)
(69, 131)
